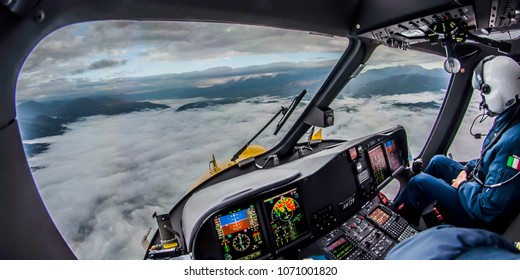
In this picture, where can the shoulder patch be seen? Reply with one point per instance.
(513, 161)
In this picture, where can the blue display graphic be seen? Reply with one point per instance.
(233, 218)
(392, 154)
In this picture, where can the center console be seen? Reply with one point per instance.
(368, 235)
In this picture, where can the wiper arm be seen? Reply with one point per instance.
(283, 109)
(286, 112)
(289, 111)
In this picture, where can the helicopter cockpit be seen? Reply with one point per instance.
(306, 196)
(327, 200)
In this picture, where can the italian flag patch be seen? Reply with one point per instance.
(514, 162)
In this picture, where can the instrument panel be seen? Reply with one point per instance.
(314, 209)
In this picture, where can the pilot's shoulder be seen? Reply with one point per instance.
(512, 134)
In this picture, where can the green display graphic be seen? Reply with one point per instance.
(287, 218)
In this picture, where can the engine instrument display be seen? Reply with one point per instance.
(379, 216)
(378, 164)
(392, 154)
(239, 234)
(286, 217)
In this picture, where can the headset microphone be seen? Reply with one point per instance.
(482, 117)
(483, 105)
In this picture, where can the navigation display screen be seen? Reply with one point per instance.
(379, 216)
(378, 164)
(286, 217)
(239, 234)
(392, 154)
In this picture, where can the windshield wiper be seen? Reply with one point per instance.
(289, 110)
(283, 110)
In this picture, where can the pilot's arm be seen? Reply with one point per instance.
(463, 175)
(470, 166)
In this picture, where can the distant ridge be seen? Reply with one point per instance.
(282, 84)
(401, 84)
(383, 81)
(397, 80)
(42, 119)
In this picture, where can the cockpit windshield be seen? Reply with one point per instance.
(395, 87)
(120, 118)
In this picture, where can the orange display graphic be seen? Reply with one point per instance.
(236, 226)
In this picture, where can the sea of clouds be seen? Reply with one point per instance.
(102, 180)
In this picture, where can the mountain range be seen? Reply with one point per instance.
(383, 81)
(373, 82)
(397, 80)
(283, 84)
(42, 119)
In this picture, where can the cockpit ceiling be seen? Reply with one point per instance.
(325, 16)
(334, 17)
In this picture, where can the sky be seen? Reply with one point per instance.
(105, 176)
(133, 57)
(95, 56)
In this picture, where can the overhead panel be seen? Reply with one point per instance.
(422, 29)
(375, 14)
(504, 15)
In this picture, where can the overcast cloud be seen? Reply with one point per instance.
(72, 56)
(63, 87)
(101, 192)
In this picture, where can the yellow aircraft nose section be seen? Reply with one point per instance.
(251, 151)
(216, 167)
(317, 136)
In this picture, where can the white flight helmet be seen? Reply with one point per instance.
(498, 79)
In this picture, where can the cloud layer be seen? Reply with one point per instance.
(105, 177)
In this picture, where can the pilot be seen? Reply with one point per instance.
(485, 192)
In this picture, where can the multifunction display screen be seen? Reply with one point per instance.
(239, 234)
(392, 154)
(286, 217)
(379, 216)
(378, 164)
(340, 248)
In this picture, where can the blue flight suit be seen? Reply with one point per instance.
(471, 205)
(447, 243)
